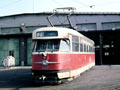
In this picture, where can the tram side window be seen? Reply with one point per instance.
(75, 47)
(91, 49)
(75, 39)
(75, 44)
(85, 49)
(81, 47)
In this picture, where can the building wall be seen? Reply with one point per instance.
(41, 20)
(10, 26)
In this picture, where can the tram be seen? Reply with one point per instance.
(60, 53)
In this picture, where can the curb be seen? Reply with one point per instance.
(16, 67)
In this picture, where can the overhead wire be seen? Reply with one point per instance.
(56, 2)
(65, 20)
(85, 5)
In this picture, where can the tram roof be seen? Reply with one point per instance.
(62, 32)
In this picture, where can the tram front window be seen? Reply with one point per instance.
(47, 45)
(64, 46)
(51, 45)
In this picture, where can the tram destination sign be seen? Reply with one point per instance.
(46, 34)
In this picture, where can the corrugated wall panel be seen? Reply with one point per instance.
(3, 49)
(14, 46)
(29, 51)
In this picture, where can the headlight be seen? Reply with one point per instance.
(45, 62)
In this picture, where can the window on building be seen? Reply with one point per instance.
(111, 25)
(11, 53)
(86, 27)
(62, 25)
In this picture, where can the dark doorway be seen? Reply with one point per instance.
(108, 48)
(23, 51)
(107, 44)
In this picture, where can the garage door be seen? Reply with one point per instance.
(8, 46)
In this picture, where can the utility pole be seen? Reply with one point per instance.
(101, 47)
(33, 6)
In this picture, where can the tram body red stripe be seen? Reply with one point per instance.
(67, 61)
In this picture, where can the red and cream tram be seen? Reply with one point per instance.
(60, 53)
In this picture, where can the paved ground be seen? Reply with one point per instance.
(97, 78)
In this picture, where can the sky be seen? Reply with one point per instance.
(11, 7)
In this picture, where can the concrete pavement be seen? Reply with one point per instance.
(97, 78)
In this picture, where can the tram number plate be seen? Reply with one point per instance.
(45, 67)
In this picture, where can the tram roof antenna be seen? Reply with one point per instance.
(48, 18)
(71, 26)
(69, 9)
(72, 9)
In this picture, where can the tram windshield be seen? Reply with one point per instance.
(51, 45)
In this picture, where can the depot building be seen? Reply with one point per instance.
(102, 27)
